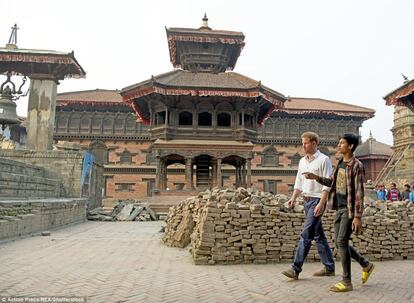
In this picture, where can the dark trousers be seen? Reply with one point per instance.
(343, 231)
(313, 230)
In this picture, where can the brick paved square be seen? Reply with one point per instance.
(126, 262)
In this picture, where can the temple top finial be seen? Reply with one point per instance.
(13, 38)
(405, 78)
(205, 22)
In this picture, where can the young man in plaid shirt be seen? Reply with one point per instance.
(346, 196)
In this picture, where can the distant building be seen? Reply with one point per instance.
(374, 155)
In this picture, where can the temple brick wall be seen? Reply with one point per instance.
(132, 180)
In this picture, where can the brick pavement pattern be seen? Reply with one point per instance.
(126, 262)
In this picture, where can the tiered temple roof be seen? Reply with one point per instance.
(32, 61)
(403, 96)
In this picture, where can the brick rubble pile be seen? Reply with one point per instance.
(248, 226)
(128, 210)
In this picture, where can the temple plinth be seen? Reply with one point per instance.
(44, 68)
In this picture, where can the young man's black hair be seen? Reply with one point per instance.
(351, 139)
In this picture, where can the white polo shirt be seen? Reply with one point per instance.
(320, 165)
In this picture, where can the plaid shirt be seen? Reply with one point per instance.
(354, 188)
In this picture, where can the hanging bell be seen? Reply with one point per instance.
(8, 114)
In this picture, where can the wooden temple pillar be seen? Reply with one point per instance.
(243, 174)
(213, 173)
(158, 174)
(189, 174)
(238, 175)
(249, 173)
(218, 179)
(164, 175)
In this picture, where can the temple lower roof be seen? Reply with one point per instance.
(402, 96)
(33, 61)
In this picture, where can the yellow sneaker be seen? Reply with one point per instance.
(366, 272)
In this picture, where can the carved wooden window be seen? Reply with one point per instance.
(150, 158)
(74, 122)
(160, 118)
(119, 124)
(248, 120)
(294, 129)
(268, 127)
(342, 129)
(130, 124)
(96, 123)
(323, 130)
(269, 186)
(124, 187)
(125, 157)
(294, 160)
(108, 125)
(303, 127)
(204, 119)
(62, 122)
(279, 128)
(84, 124)
(224, 119)
(270, 157)
(185, 119)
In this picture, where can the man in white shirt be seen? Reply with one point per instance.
(314, 195)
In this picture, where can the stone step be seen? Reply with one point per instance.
(16, 167)
(21, 185)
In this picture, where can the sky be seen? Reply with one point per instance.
(348, 51)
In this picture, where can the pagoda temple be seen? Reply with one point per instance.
(202, 114)
(200, 125)
(401, 163)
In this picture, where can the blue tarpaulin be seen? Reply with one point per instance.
(87, 173)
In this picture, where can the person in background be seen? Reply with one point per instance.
(411, 197)
(346, 196)
(405, 194)
(394, 194)
(381, 192)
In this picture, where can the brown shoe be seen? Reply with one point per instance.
(290, 273)
(323, 272)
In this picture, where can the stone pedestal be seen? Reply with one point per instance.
(41, 113)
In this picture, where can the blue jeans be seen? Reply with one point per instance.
(313, 230)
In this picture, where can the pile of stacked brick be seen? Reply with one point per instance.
(248, 226)
(129, 210)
